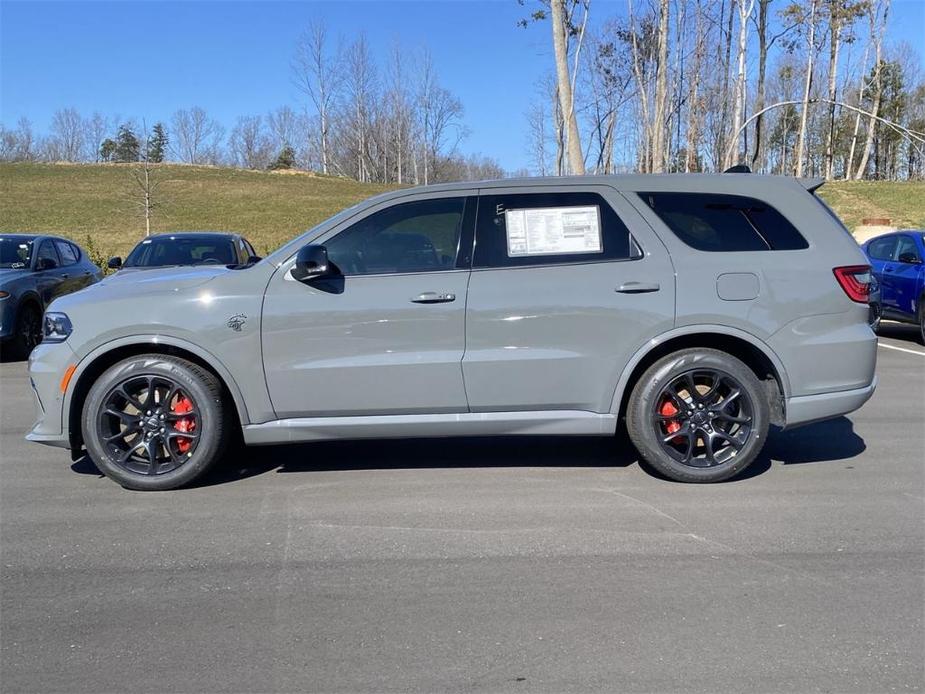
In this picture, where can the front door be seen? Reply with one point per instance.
(561, 297)
(387, 335)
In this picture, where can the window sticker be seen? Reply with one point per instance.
(553, 231)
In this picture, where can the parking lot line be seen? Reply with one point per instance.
(900, 349)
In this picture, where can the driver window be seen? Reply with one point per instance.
(418, 236)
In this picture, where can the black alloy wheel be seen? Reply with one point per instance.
(149, 424)
(156, 422)
(703, 418)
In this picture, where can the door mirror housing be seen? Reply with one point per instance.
(46, 264)
(910, 259)
(114, 263)
(312, 264)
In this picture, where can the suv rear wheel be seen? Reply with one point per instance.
(154, 422)
(698, 415)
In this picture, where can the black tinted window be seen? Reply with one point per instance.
(47, 250)
(591, 232)
(418, 236)
(882, 249)
(67, 252)
(905, 249)
(710, 222)
(182, 250)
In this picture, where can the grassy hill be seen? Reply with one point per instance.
(77, 200)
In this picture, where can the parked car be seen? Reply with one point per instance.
(34, 270)
(897, 263)
(188, 248)
(701, 308)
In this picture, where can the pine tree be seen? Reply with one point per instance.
(157, 144)
(285, 160)
(127, 146)
(107, 149)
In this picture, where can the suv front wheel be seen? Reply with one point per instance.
(154, 422)
(698, 415)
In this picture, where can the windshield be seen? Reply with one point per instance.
(15, 252)
(182, 250)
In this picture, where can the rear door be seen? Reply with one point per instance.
(880, 253)
(387, 335)
(560, 297)
(903, 275)
(50, 283)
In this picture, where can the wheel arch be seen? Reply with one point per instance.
(95, 363)
(757, 355)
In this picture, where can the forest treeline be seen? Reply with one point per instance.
(797, 87)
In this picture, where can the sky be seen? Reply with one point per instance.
(147, 59)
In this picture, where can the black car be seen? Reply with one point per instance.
(34, 269)
(188, 248)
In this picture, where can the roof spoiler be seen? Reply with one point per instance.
(811, 184)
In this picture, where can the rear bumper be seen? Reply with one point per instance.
(807, 409)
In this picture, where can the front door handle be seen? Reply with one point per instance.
(638, 287)
(433, 298)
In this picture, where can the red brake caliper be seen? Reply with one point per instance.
(669, 410)
(184, 424)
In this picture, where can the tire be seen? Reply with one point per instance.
(922, 320)
(184, 435)
(27, 331)
(734, 426)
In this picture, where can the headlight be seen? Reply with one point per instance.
(56, 327)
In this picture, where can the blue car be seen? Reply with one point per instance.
(898, 263)
(34, 270)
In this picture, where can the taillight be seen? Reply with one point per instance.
(855, 280)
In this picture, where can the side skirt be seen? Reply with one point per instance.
(546, 422)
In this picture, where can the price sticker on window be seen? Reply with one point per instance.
(553, 231)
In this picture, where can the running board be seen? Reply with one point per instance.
(545, 422)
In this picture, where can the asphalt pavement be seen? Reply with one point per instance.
(508, 565)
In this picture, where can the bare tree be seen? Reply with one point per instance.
(67, 128)
(249, 144)
(360, 86)
(565, 85)
(746, 8)
(143, 192)
(316, 72)
(880, 13)
(196, 137)
(96, 129)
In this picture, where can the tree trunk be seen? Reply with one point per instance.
(566, 104)
(661, 90)
(745, 12)
(878, 94)
(834, 45)
(759, 154)
(804, 114)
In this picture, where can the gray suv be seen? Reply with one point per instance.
(700, 308)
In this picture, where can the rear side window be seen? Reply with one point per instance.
(882, 249)
(67, 253)
(725, 223)
(549, 229)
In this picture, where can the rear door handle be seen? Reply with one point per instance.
(638, 287)
(433, 298)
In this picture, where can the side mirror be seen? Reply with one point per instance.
(312, 263)
(909, 258)
(251, 259)
(114, 263)
(46, 264)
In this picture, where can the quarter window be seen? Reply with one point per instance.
(906, 247)
(725, 223)
(421, 236)
(67, 253)
(549, 229)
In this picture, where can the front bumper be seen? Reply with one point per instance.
(47, 365)
(807, 409)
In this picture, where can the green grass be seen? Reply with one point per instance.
(77, 200)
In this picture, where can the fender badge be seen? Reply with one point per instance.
(237, 321)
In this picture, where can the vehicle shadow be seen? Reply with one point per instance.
(829, 441)
(900, 331)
